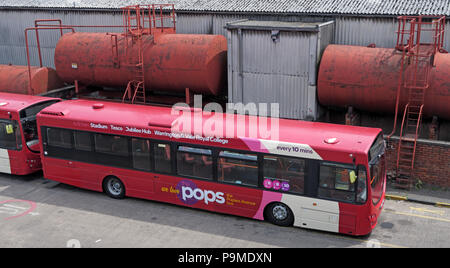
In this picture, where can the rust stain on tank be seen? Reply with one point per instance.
(172, 62)
(368, 79)
(15, 79)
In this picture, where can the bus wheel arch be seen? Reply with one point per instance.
(113, 187)
(279, 213)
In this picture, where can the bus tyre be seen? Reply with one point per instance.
(279, 214)
(114, 187)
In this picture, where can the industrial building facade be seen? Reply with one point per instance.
(349, 22)
(356, 22)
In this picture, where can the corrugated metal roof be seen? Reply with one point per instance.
(355, 7)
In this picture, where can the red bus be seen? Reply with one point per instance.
(314, 175)
(19, 142)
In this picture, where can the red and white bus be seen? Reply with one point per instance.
(19, 143)
(314, 175)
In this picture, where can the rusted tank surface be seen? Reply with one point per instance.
(367, 79)
(15, 79)
(173, 62)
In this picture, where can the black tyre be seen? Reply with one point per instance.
(279, 214)
(114, 187)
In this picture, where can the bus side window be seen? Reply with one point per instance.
(238, 168)
(162, 157)
(194, 162)
(82, 141)
(141, 153)
(284, 174)
(114, 145)
(10, 136)
(61, 138)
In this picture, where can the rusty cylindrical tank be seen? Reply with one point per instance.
(367, 79)
(15, 79)
(173, 62)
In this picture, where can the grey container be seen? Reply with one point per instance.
(277, 62)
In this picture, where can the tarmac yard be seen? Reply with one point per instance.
(35, 212)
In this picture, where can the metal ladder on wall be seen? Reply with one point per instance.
(133, 32)
(417, 61)
(140, 21)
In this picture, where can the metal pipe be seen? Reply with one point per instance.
(28, 49)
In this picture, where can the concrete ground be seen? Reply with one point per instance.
(35, 212)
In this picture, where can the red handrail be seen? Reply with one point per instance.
(28, 49)
(401, 132)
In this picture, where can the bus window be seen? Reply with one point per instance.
(376, 180)
(10, 135)
(194, 162)
(141, 153)
(82, 141)
(114, 145)
(284, 174)
(377, 167)
(238, 168)
(61, 138)
(335, 182)
(163, 163)
(361, 191)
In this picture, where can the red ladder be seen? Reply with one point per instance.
(417, 61)
(139, 21)
(133, 32)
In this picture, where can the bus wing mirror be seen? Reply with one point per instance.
(352, 176)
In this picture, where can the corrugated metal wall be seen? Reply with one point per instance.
(364, 31)
(380, 31)
(12, 36)
(349, 30)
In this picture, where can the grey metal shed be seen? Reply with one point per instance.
(277, 62)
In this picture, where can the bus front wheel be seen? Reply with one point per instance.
(114, 187)
(279, 214)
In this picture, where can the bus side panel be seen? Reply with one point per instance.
(5, 161)
(90, 176)
(61, 171)
(138, 184)
(20, 162)
(313, 213)
(348, 215)
(241, 201)
(267, 198)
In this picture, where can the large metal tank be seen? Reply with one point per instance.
(15, 79)
(173, 62)
(367, 79)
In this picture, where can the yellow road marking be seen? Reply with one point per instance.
(421, 216)
(439, 212)
(396, 197)
(444, 205)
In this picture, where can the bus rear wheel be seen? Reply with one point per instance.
(279, 214)
(114, 187)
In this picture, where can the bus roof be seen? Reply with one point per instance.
(321, 137)
(11, 102)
